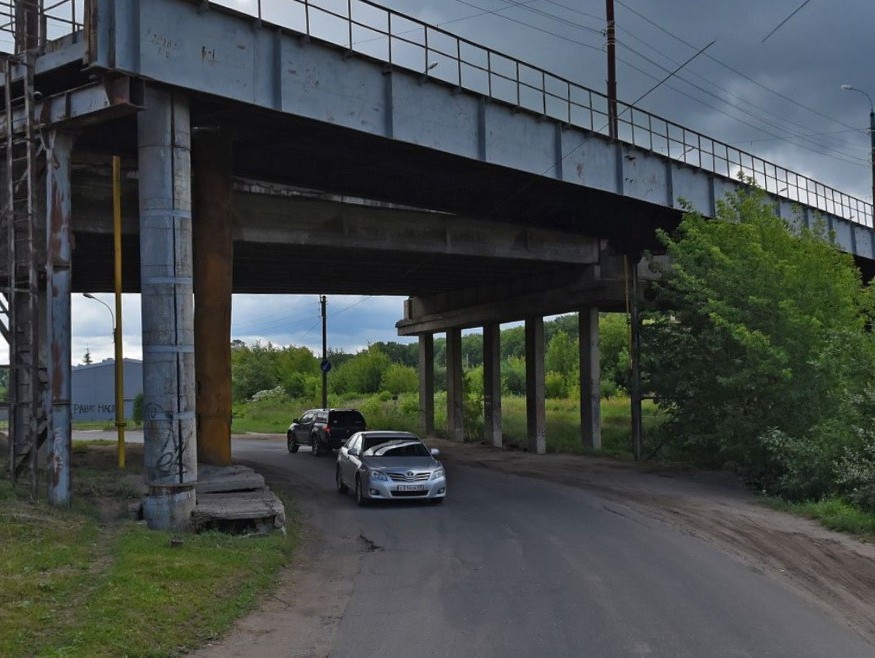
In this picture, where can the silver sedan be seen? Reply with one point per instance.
(379, 465)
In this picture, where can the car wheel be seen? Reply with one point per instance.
(360, 499)
(314, 446)
(341, 487)
(290, 441)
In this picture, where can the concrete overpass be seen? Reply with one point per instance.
(321, 151)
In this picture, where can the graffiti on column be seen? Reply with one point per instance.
(171, 460)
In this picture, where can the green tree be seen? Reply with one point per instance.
(296, 367)
(399, 378)
(614, 351)
(253, 369)
(472, 350)
(562, 356)
(761, 339)
(362, 373)
(513, 376)
(513, 342)
(406, 354)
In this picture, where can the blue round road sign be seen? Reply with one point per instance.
(325, 365)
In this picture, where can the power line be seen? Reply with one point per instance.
(781, 24)
(733, 69)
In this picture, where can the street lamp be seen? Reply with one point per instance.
(119, 382)
(871, 131)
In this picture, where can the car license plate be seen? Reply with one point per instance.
(410, 487)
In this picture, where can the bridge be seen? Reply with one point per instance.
(315, 147)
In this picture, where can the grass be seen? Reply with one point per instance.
(833, 513)
(87, 582)
(273, 415)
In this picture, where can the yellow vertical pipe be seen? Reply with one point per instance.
(117, 330)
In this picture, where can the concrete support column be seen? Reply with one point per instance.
(492, 383)
(170, 459)
(213, 259)
(58, 287)
(535, 389)
(455, 394)
(590, 380)
(426, 384)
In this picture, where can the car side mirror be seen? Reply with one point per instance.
(435, 452)
(353, 452)
(296, 420)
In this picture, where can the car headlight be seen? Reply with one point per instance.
(438, 474)
(377, 475)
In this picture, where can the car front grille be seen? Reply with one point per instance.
(409, 494)
(409, 477)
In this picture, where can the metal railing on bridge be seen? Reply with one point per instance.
(364, 27)
(370, 29)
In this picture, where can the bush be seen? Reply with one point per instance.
(857, 475)
(555, 385)
(472, 409)
(137, 412)
(513, 376)
(399, 378)
(799, 468)
(363, 373)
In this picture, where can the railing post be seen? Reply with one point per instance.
(425, 54)
(307, 17)
(459, 60)
(544, 90)
(518, 84)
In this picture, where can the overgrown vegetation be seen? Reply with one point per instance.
(761, 354)
(87, 582)
(272, 413)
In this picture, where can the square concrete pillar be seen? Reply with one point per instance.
(535, 389)
(58, 320)
(590, 380)
(455, 394)
(492, 383)
(213, 253)
(426, 384)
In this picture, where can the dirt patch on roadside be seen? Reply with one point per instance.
(832, 570)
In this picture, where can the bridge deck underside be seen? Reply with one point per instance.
(270, 147)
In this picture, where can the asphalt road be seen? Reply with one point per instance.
(512, 566)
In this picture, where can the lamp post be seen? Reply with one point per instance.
(120, 423)
(871, 131)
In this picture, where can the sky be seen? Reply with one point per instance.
(769, 84)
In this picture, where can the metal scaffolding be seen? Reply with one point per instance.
(22, 241)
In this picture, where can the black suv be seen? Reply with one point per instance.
(324, 429)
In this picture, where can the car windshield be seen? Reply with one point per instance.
(396, 448)
(348, 418)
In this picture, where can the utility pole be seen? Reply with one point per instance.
(612, 69)
(871, 131)
(325, 365)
